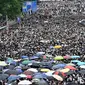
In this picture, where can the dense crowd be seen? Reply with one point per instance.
(39, 32)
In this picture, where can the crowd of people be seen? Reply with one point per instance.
(39, 32)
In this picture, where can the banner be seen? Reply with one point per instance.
(29, 5)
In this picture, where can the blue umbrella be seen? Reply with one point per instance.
(75, 61)
(24, 57)
(75, 56)
(19, 70)
(58, 66)
(34, 57)
(81, 63)
(12, 78)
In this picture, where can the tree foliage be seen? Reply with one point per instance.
(11, 8)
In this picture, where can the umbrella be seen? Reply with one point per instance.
(11, 72)
(70, 64)
(59, 73)
(24, 57)
(58, 66)
(29, 77)
(3, 76)
(67, 57)
(13, 77)
(75, 61)
(58, 46)
(65, 70)
(3, 63)
(75, 57)
(49, 73)
(22, 75)
(44, 70)
(58, 58)
(40, 53)
(39, 82)
(81, 63)
(70, 67)
(32, 70)
(59, 78)
(25, 82)
(70, 72)
(34, 57)
(82, 66)
(28, 72)
(25, 62)
(82, 72)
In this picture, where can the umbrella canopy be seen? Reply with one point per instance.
(12, 72)
(70, 72)
(70, 64)
(3, 76)
(25, 62)
(70, 67)
(75, 57)
(67, 57)
(58, 46)
(82, 72)
(81, 63)
(27, 72)
(65, 70)
(59, 73)
(58, 58)
(40, 53)
(25, 82)
(3, 63)
(75, 61)
(22, 75)
(82, 66)
(58, 66)
(24, 57)
(59, 78)
(32, 70)
(44, 70)
(13, 77)
(49, 73)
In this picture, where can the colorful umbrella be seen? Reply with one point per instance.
(32, 70)
(70, 64)
(25, 62)
(3, 63)
(75, 57)
(81, 63)
(82, 66)
(58, 46)
(22, 75)
(24, 82)
(59, 78)
(67, 57)
(65, 70)
(44, 70)
(70, 67)
(58, 58)
(75, 61)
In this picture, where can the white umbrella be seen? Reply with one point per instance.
(22, 75)
(25, 82)
(82, 66)
(50, 73)
(32, 70)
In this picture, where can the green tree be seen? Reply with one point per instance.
(11, 8)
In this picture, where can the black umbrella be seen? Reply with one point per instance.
(71, 83)
(15, 72)
(82, 72)
(70, 72)
(3, 76)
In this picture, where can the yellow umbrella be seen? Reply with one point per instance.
(59, 78)
(44, 70)
(65, 70)
(58, 46)
(3, 63)
(58, 58)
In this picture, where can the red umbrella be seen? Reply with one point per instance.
(71, 67)
(29, 76)
(66, 57)
(59, 73)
